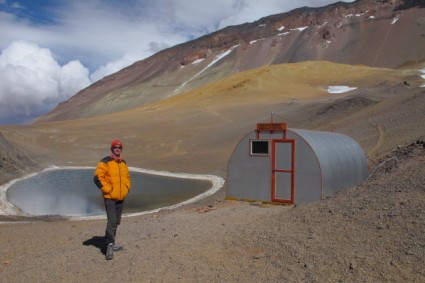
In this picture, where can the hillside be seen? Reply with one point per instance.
(373, 33)
(196, 131)
(370, 233)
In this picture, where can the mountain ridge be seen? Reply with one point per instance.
(367, 32)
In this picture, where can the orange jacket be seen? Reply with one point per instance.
(113, 178)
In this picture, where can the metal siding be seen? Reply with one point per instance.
(325, 163)
(342, 161)
(308, 181)
(249, 177)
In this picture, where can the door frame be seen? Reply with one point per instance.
(290, 171)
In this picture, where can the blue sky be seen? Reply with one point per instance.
(51, 49)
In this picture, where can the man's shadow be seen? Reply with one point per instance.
(98, 242)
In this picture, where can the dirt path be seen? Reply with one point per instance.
(381, 134)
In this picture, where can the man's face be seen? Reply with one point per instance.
(117, 150)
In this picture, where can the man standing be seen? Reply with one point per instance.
(112, 177)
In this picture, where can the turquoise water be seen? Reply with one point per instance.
(71, 192)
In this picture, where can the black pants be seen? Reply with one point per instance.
(113, 213)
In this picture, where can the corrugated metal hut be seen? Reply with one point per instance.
(277, 164)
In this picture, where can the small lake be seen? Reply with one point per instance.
(71, 192)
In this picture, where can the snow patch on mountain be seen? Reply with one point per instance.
(340, 89)
(395, 20)
(423, 76)
(300, 28)
(198, 61)
(216, 59)
(256, 40)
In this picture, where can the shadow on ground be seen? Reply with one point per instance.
(98, 242)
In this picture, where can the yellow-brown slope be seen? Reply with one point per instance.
(197, 131)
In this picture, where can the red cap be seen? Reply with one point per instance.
(116, 143)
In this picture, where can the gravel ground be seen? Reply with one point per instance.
(371, 233)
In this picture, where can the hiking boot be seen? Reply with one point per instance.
(109, 252)
(117, 248)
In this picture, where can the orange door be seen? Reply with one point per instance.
(283, 158)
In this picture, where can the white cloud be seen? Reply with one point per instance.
(31, 81)
(100, 31)
(115, 66)
(243, 11)
(65, 40)
(73, 77)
